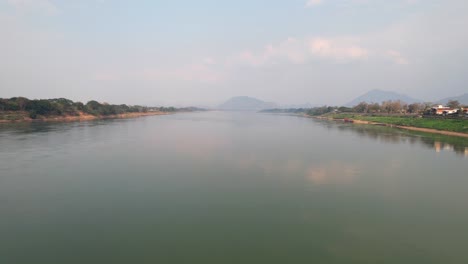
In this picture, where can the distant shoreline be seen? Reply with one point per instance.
(81, 117)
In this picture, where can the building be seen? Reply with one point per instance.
(442, 110)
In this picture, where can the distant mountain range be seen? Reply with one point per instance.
(378, 96)
(462, 99)
(245, 103)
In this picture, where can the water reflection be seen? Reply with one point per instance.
(59, 126)
(439, 143)
(230, 183)
(333, 172)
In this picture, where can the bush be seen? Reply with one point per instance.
(33, 114)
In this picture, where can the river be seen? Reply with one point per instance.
(227, 187)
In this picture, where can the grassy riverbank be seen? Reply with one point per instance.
(439, 124)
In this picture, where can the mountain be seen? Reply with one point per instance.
(297, 106)
(245, 103)
(378, 96)
(463, 99)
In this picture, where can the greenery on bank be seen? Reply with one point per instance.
(385, 107)
(445, 124)
(18, 108)
(393, 113)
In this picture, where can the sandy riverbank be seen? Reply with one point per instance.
(23, 117)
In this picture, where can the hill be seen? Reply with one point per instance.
(245, 103)
(463, 99)
(378, 96)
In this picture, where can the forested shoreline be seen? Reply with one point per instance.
(416, 116)
(24, 109)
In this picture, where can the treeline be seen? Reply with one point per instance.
(398, 106)
(387, 107)
(62, 107)
(316, 111)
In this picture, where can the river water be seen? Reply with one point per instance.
(226, 187)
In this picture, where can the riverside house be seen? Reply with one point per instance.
(442, 110)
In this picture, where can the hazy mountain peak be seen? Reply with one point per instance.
(246, 103)
(463, 99)
(378, 96)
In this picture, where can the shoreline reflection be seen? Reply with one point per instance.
(439, 143)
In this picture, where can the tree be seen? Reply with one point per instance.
(386, 106)
(415, 108)
(396, 106)
(11, 105)
(62, 106)
(22, 102)
(40, 107)
(392, 106)
(427, 106)
(313, 111)
(374, 107)
(345, 109)
(93, 107)
(403, 107)
(79, 106)
(453, 104)
(3, 104)
(362, 107)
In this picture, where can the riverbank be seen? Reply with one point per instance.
(23, 116)
(448, 127)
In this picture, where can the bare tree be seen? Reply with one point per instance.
(427, 105)
(415, 108)
(362, 107)
(453, 104)
(392, 106)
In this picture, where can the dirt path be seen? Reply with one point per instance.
(420, 129)
(435, 131)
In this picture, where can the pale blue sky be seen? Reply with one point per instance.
(203, 52)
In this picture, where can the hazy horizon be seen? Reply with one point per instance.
(203, 53)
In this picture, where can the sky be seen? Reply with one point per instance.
(156, 52)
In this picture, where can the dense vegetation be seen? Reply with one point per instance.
(386, 107)
(399, 107)
(66, 107)
(446, 124)
(391, 112)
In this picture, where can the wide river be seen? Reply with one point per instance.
(225, 187)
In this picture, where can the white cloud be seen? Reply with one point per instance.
(300, 51)
(291, 50)
(336, 49)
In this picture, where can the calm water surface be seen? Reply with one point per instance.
(230, 188)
